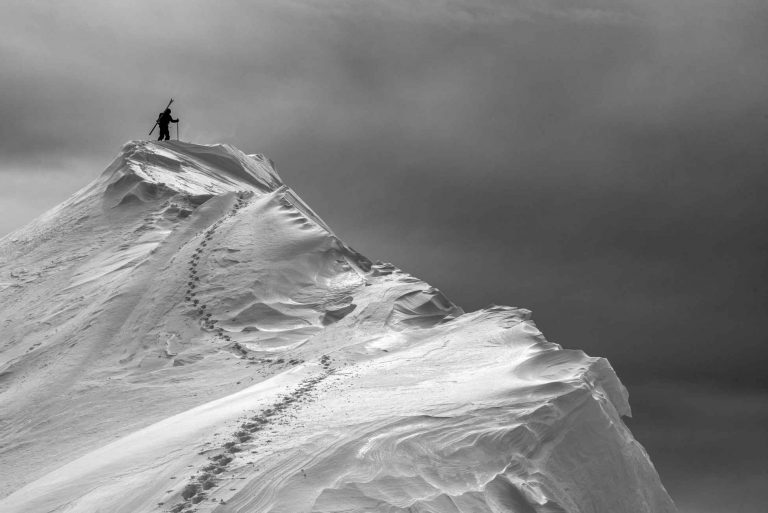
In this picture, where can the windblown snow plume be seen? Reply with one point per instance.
(185, 334)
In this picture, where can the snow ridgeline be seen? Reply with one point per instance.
(185, 334)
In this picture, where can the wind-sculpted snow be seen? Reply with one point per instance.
(146, 171)
(422, 308)
(185, 334)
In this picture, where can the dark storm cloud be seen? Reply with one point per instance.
(603, 163)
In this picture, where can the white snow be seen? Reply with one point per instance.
(186, 334)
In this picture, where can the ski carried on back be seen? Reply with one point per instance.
(158, 118)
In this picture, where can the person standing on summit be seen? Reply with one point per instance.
(163, 119)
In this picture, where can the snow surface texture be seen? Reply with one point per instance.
(185, 334)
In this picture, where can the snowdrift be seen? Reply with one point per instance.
(186, 334)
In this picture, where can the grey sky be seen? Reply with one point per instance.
(601, 162)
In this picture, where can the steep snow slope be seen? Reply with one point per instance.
(186, 334)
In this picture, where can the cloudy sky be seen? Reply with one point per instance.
(602, 162)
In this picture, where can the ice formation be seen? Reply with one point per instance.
(185, 334)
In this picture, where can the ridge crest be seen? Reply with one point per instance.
(146, 170)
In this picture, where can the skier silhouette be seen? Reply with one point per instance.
(163, 119)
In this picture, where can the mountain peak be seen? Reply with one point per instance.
(185, 334)
(144, 170)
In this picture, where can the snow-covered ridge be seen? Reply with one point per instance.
(144, 169)
(186, 334)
